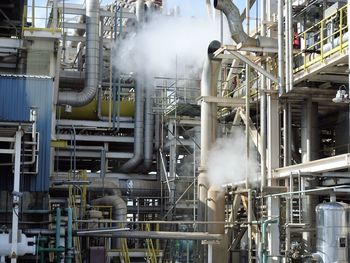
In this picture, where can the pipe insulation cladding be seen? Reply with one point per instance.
(333, 231)
(92, 58)
(238, 34)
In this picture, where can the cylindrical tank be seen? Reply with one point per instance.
(333, 229)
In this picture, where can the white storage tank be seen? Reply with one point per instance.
(333, 229)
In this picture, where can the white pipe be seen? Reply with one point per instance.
(263, 105)
(287, 20)
(23, 246)
(15, 205)
(281, 75)
(210, 75)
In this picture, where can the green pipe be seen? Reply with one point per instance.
(263, 251)
(58, 232)
(51, 249)
(69, 236)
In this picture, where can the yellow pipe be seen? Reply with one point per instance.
(89, 111)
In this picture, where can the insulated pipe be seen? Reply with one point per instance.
(138, 131)
(234, 22)
(119, 209)
(281, 75)
(236, 28)
(92, 57)
(149, 130)
(140, 11)
(211, 71)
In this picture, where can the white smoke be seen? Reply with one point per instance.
(227, 161)
(167, 45)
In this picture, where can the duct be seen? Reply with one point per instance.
(138, 132)
(92, 53)
(236, 28)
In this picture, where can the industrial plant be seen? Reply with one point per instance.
(134, 131)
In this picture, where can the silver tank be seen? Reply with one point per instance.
(333, 230)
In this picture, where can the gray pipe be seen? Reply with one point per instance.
(118, 204)
(234, 22)
(236, 28)
(138, 131)
(119, 211)
(149, 131)
(92, 56)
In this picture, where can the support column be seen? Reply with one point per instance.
(16, 196)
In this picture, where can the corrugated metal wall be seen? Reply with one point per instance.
(17, 95)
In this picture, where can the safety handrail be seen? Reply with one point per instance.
(316, 52)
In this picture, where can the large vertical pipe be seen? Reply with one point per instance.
(281, 76)
(247, 112)
(92, 57)
(310, 149)
(138, 130)
(286, 43)
(149, 129)
(216, 213)
(210, 75)
(290, 44)
(15, 200)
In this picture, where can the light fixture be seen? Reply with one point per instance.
(341, 96)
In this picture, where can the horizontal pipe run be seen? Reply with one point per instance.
(149, 222)
(309, 191)
(153, 235)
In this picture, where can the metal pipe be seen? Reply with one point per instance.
(152, 234)
(264, 251)
(281, 75)
(119, 209)
(263, 126)
(210, 75)
(286, 42)
(58, 232)
(149, 130)
(92, 56)
(234, 22)
(16, 194)
(138, 131)
(290, 37)
(70, 249)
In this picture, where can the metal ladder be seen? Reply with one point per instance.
(125, 251)
(151, 252)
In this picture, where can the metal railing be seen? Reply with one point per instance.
(41, 18)
(327, 37)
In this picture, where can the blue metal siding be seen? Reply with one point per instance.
(17, 95)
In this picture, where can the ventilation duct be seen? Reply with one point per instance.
(83, 97)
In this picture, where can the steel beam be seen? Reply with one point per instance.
(318, 166)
